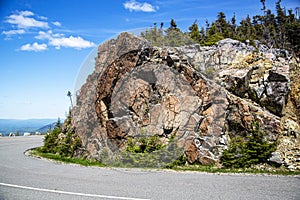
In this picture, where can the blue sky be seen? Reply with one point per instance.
(44, 42)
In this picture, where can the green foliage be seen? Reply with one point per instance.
(144, 144)
(40, 152)
(195, 33)
(176, 165)
(148, 151)
(244, 152)
(51, 141)
(62, 142)
(293, 32)
(155, 36)
(180, 161)
(175, 38)
(171, 37)
(280, 30)
(212, 39)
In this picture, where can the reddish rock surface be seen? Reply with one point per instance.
(139, 89)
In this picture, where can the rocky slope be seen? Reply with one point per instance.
(196, 97)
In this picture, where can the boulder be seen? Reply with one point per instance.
(139, 90)
(275, 159)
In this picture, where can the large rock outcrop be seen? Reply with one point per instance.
(198, 97)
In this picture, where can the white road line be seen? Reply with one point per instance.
(70, 193)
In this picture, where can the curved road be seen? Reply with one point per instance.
(23, 177)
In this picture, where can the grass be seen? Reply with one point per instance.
(56, 157)
(199, 168)
(216, 169)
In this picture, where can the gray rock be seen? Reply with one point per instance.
(275, 159)
(291, 168)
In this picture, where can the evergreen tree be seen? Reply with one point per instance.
(293, 37)
(154, 35)
(161, 25)
(222, 25)
(69, 94)
(274, 30)
(194, 32)
(58, 124)
(246, 31)
(173, 24)
(233, 26)
(264, 4)
(280, 25)
(244, 152)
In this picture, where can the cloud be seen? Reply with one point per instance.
(22, 22)
(13, 32)
(34, 47)
(24, 19)
(44, 35)
(59, 40)
(72, 42)
(134, 5)
(56, 23)
(43, 18)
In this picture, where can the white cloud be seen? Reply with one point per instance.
(26, 13)
(72, 42)
(43, 18)
(56, 23)
(134, 5)
(44, 35)
(13, 32)
(59, 40)
(34, 47)
(24, 19)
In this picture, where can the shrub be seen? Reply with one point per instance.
(149, 151)
(244, 152)
(62, 142)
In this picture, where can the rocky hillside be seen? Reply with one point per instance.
(193, 98)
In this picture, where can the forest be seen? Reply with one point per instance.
(276, 30)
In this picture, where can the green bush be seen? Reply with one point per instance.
(51, 141)
(244, 152)
(149, 151)
(144, 144)
(212, 39)
(62, 142)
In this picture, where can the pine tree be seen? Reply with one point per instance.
(246, 31)
(173, 24)
(69, 94)
(222, 25)
(233, 27)
(194, 32)
(244, 152)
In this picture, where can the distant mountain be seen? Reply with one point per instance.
(46, 128)
(21, 126)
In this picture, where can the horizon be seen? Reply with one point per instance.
(43, 46)
(25, 119)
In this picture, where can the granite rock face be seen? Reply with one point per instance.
(191, 95)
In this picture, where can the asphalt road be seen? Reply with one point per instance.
(23, 177)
